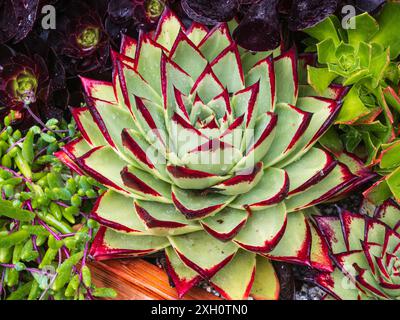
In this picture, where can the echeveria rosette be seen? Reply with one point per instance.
(179, 94)
(366, 251)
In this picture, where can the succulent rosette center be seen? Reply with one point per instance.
(208, 152)
(24, 87)
(89, 38)
(154, 8)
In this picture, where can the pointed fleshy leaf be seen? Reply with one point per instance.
(338, 179)
(375, 231)
(259, 142)
(194, 205)
(263, 229)
(163, 219)
(104, 165)
(334, 92)
(353, 230)
(144, 186)
(218, 253)
(110, 244)
(309, 170)
(272, 189)
(287, 88)
(183, 277)
(168, 29)
(295, 243)
(235, 280)
(143, 155)
(216, 41)
(70, 163)
(76, 148)
(389, 213)
(213, 156)
(319, 252)
(184, 136)
(138, 87)
(150, 119)
(226, 224)
(87, 126)
(292, 123)
(242, 182)
(173, 80)
(207, 85)
(323, 113)
(331, 228)
(110, 118)
(266, 283)
(250, 59)
(148, 59)
(229, 58)
(196, 32)
(97, 89)
(185, 54)
(338, 285)
(244, 102)
(123, 219)
(263, 72)
(186, 178)
(128, 46)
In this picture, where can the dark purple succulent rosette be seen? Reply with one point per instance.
(130, 16)
(80, 39)
(21, 78)
(26, 81)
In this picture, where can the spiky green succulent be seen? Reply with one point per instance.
(365, 249)
(207, 151)
(361, 54)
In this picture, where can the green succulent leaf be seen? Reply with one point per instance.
(387, 36)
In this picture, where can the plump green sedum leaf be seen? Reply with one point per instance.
(198, 146)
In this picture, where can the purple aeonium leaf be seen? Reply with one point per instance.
(17, 18)
(210, 12)
(371, 6)
(307, 13)
(260, 28)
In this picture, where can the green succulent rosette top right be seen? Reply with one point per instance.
(364, 57)
(208, 152)
(361, 54)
